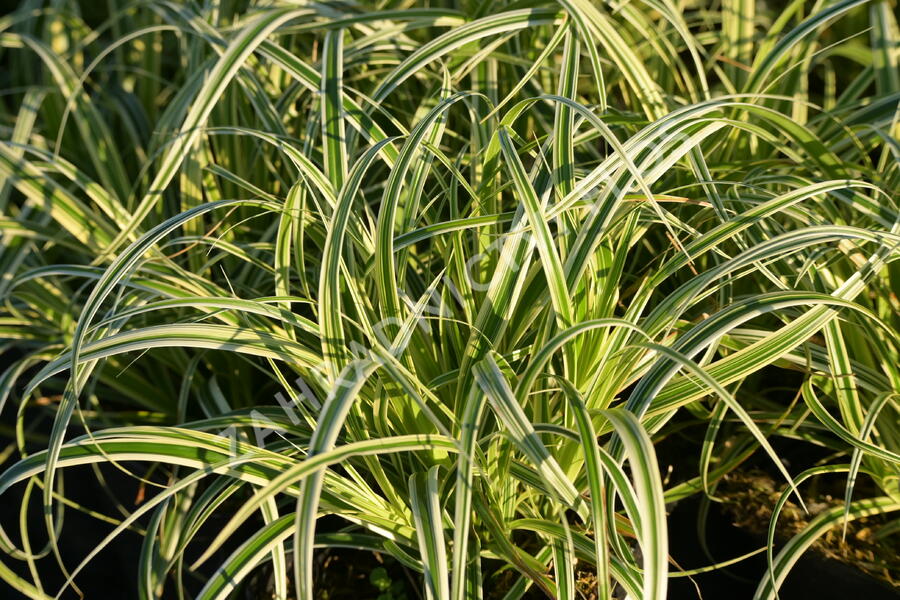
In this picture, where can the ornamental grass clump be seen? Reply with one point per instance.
(434, 280)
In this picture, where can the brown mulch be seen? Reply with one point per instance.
(750, 496)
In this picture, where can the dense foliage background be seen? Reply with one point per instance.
(487, 288)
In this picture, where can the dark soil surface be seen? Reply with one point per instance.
(750, 496)
(817, 575)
